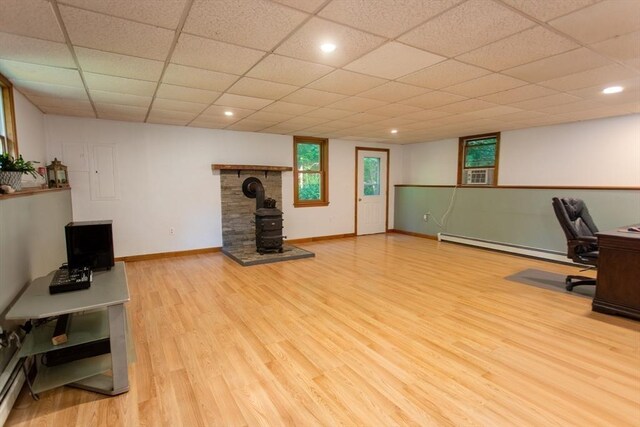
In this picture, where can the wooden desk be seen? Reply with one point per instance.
(98, 313)
(618, 286)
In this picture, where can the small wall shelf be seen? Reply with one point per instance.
(264, 168)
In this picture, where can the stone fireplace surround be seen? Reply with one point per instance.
(238, 228)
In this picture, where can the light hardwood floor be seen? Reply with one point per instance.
(378, 330)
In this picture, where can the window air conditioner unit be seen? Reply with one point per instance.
(478, 176)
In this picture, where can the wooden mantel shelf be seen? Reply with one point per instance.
(252, 168)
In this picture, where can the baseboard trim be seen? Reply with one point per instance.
(320, 238)
(411, 233)
(160, 255)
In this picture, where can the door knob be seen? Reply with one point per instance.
(359, 200)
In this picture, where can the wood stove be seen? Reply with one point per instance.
(268, 218)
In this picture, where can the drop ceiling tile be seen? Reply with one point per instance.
(259, 24)
(527, 46)
(119, 84)
(102, 97)
(444, 74)
(302, 122)
(547, 10)
(114, 64)
(603, 75)
(247, 102)
(198, 78)
(350, 43)
(27, 49)
(32, 18)
(518, 94)
(288, 70)
(362, 118)
(341, 124)
(466, 106)
(121, 112)
(329, 114)
(466, 27)
(30, 88)
(356, 104)
(394, 110)
(173, 105)
(485, 85)
(597, 113)
(261, 88)
(316, 98)
(571, 107)
(281, 129)
(172, 117)
(433, 99)
(165, 15)
(187, 94)
(319, 131)
(211, 123)
(558, 65)
(388, 19)
(393, 92)
(247, 125)
(214, 55)
(622, 48)
(545, 101)
(426, 115)
(282, 107)
(305, 5)
(217, 112)
(73, 112)
(40, 73)
(601, 21)
(97, 31)
(346, 82)
(394, 60)
(49, 101)
(265, 116)
(491, 112)
(522, 115)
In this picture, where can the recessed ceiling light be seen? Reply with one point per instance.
(228, 113)
(394, 130)
(613, 89)
(328, 47)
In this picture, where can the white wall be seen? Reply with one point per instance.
(602, 152)
(166, 181)
(30, 129)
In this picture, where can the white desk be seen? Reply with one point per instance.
(99, 313)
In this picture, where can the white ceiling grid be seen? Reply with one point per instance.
(431, 69)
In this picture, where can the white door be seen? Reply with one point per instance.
(371, 197)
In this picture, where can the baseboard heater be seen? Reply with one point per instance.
(507, 247)
(11, 379)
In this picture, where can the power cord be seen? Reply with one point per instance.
(443, 221)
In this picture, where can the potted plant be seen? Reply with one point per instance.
(12, 169)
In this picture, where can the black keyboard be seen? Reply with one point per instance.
(65, 280)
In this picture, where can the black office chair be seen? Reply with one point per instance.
(580, 230)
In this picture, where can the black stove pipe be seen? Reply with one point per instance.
(257, 188)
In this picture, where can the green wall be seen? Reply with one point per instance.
(514, 216)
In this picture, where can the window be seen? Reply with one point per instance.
(478, 159)
(8, 142)
(310, 158)
(371, 176)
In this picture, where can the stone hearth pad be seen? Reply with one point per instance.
(248, 256)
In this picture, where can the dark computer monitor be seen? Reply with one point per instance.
(90, 244)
